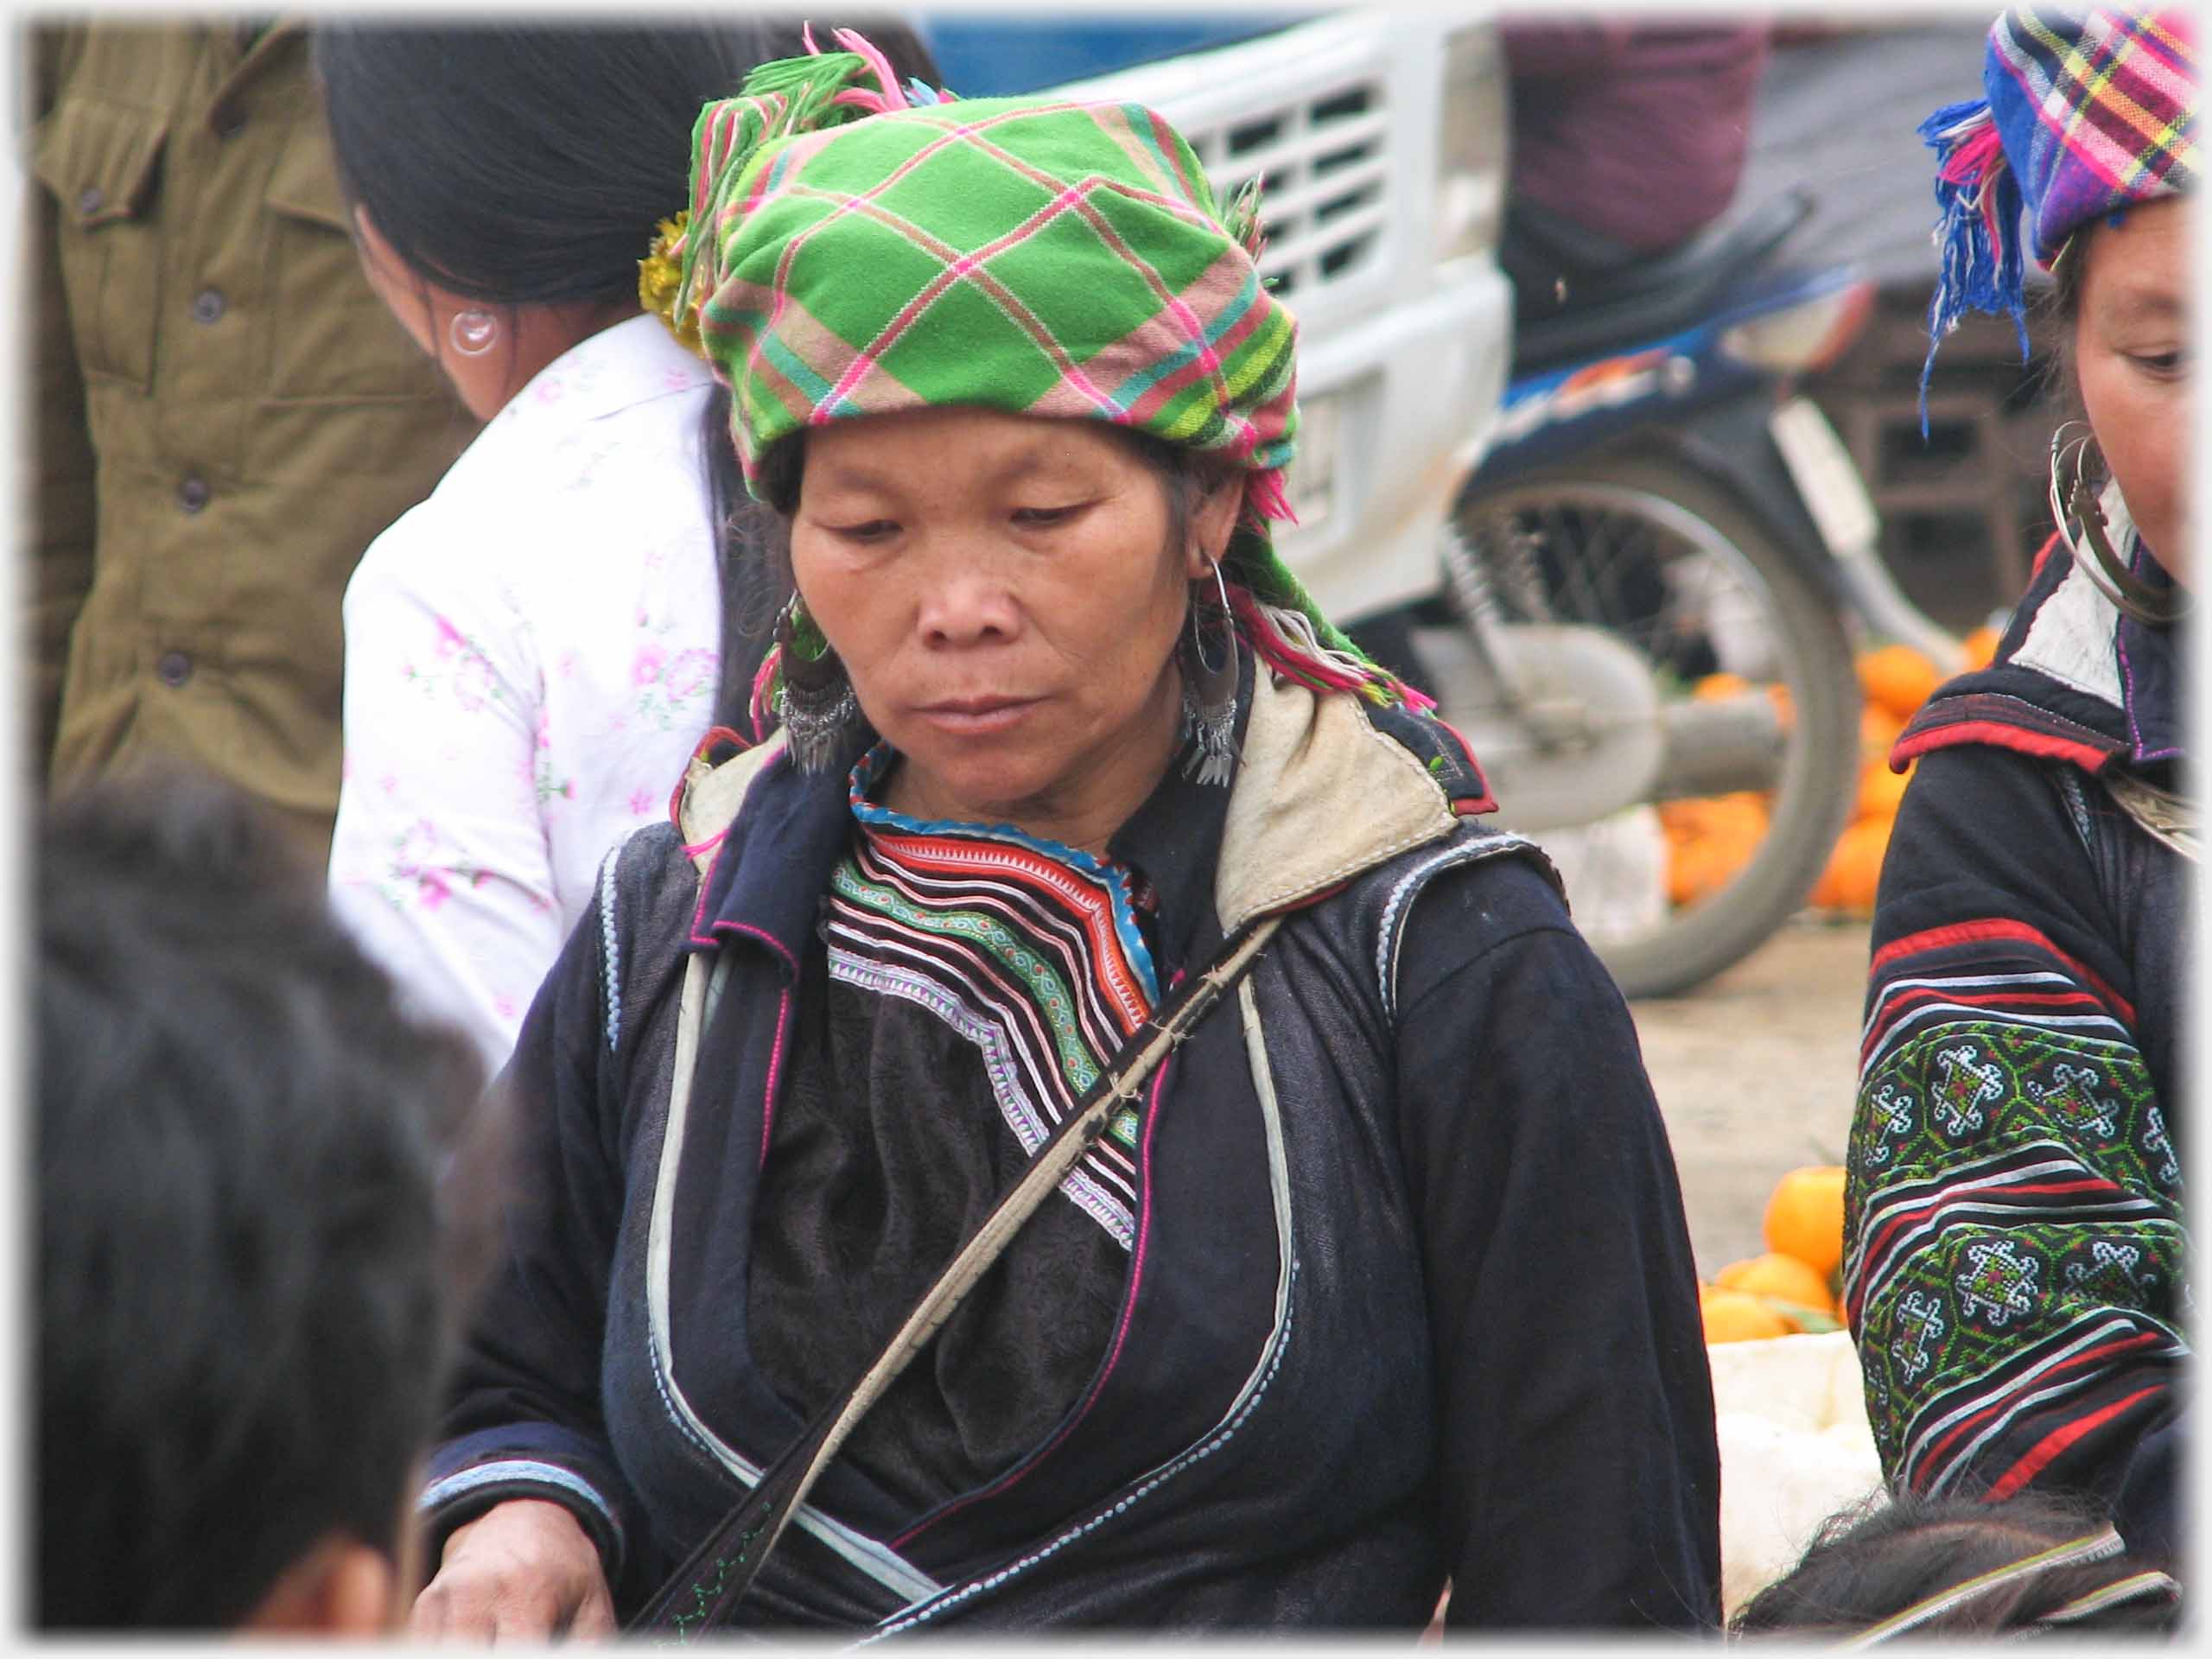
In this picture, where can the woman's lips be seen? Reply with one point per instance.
(977, 716)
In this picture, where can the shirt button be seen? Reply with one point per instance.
(91, 202)
(192, 494)
(208, 305)
(173, 669)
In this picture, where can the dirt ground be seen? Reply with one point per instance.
(1755, 1072)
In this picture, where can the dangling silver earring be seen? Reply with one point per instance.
(472, 333)
(814, 697)
(1210, 691)
(2079, 513)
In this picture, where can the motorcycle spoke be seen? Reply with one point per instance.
(1660, 566)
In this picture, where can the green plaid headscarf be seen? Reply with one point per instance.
(1042, 259)
(854, 249)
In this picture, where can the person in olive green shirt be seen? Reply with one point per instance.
(224, 415)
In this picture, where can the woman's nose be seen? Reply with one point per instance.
(967, 608)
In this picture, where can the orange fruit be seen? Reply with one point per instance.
(1698, 870)
(1804, 1217)
(1739, 1316)
(1682, 820)
(1692, 872)
(1781, 1277)
(1880, 791)
(1708, 840)
(1855, 869)
(1827, 892)
(1981, 646)
(1878, 733)
(1897, 678)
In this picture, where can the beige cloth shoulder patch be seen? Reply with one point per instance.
(1320, 797)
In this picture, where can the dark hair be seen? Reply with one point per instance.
(522, 165)
(245, 1285)
(527, 164)
(1876, 1560)
(2066, 279)
(2055, 311)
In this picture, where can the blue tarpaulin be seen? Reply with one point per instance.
(983, 55)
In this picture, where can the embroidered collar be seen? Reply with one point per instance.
(1028, 949)
(942, 845)
(1160, 864)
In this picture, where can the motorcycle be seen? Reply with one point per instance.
(1651, 585)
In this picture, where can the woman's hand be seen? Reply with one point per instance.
(524, 1570)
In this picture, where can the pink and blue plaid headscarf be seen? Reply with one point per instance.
(2088, 110)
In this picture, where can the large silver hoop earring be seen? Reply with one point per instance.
(2077, 509)
(472, 333)
(814, 696)
(1210, 687)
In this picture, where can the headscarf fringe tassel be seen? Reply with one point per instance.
(1978, 237)
(1287, 641)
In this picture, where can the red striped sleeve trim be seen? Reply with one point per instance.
(1895, 1011)
(1999, 735)
(2004, 928)
(2040, 1456)
(2088, 1357)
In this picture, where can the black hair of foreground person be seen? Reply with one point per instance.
(246, 1283)
(1908, 1562)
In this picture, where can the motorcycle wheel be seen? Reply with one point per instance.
(1611, 544)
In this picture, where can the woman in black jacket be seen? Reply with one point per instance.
(1377, 1277)
(2017, 1272)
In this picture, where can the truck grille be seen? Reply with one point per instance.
(1324, 165)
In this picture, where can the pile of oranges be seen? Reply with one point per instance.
(1708, 840)
(1792, 1288)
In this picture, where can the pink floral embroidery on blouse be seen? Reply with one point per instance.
(531, 656)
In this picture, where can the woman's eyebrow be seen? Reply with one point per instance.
(2147, 305)
(860, 475)
(851, 475)
(1025, 462)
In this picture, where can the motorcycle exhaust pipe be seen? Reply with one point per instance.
(1721, 746)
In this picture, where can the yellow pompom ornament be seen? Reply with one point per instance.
(660, 275)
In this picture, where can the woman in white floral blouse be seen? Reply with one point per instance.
(533, 652)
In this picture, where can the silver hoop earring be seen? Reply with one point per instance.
(472, 333)
(1210, 693)
(2078, 511)
(814, 696)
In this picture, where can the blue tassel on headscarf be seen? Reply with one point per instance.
(1978, 237)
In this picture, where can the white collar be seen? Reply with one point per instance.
(634, 362)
